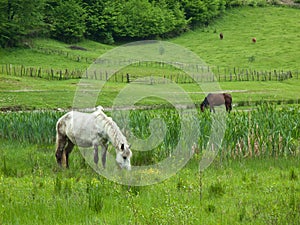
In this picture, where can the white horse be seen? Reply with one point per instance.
(91, 130)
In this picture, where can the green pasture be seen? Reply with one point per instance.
(248, 191)
(274, 28)
(253, 180)
(35, 93)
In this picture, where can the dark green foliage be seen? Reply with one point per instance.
(105, 21)
(141, 19)
(202, 11)
(20, 19)
(68, 21)
(99, 20)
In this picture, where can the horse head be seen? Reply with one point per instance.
(123, 156)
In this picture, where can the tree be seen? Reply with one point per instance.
(100, 19)
(142, 19)
(20, 19)
(67, 21)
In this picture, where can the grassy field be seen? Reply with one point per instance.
(35, 93)
(277, 35)
(256, 191)
(253, 180)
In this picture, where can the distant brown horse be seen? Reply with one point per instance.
(221, 36)
(212, 100)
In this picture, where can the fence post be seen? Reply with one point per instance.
(127, 78)
(52, 74)
(39, 72)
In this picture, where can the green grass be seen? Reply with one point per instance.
(49, 54)
(257, 191)
(32, 93)
(36, 93)
(276, 31)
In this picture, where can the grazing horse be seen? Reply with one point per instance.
(212, 100)
(91, 130)
(221, 36)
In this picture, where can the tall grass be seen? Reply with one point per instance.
(265, 131)
(29, 127)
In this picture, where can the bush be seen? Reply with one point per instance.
(141, 19)
(68, 22)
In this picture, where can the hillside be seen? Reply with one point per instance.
(275, 29)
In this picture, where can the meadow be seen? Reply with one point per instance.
(256, 191)
(257, 165)
(254, 178)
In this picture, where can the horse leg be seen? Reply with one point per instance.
(61, 142)
(96, 157)
(68, 150)
(104, 150)
(228, 107)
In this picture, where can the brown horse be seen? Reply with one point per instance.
(212, 100)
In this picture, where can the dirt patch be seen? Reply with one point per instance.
(75, 47)
(11, 108)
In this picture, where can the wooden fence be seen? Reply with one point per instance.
(51, 74)
(70, 55)
(200, 74)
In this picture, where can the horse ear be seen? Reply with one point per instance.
(122, 147)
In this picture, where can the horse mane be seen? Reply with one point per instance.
(205, 102)
(110, 128)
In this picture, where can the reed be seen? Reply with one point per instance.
(29, 127)
(268, 130)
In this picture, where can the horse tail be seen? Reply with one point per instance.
(227, 97)
(228, 101)
(60, 129)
